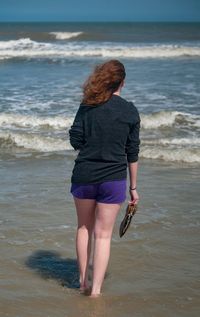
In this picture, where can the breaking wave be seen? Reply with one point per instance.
(26, 48)
(33, 142)
(185, 155)
(65, 35)
(30, 121)
(193, 141)
(157, 120)
(159, 141)
(39, 143)
(168, 119)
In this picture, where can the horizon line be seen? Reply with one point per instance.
(99, 21)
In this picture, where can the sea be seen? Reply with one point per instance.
(154, 269)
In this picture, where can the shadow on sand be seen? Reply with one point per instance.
(50, 265)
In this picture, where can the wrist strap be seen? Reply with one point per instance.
(132, 188)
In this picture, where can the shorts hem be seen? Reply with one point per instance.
(103, 202)
(111, 202)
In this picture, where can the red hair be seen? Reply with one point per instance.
(103, 82)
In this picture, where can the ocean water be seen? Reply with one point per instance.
(154, 269)
(44, 65)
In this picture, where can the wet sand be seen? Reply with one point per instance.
(153, 269)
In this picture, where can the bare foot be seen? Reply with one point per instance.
(86, 290)
(95, 295)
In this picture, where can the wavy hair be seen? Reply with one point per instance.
(103, 82)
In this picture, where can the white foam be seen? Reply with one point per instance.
(65, 35)
(158, 119)
(168, 119)
(37, 142)
(186, 155)
(155, 120)
(27, 48)
(19, 120)
(33, 142)
(197, 123)
(194, 141)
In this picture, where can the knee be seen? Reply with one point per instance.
(102, 234)
(84, 228)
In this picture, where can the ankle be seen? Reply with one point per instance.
(95, 291)
(83, 283)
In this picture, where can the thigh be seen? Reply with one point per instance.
(112, 192)
(106, 215)
(85, 209)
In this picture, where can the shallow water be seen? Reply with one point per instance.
(153, 269)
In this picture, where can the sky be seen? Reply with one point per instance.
(100, 10)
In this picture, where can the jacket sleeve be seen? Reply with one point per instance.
(76, 131)
(132, 147)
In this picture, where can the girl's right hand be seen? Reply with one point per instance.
(134, 197)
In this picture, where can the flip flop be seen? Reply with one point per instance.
(130, 211)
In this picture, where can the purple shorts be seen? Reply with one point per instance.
(110, 192)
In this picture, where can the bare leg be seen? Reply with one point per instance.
(104, 224)
(85, 209)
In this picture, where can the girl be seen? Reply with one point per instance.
(106, 133)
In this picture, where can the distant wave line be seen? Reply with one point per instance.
(65, 35)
